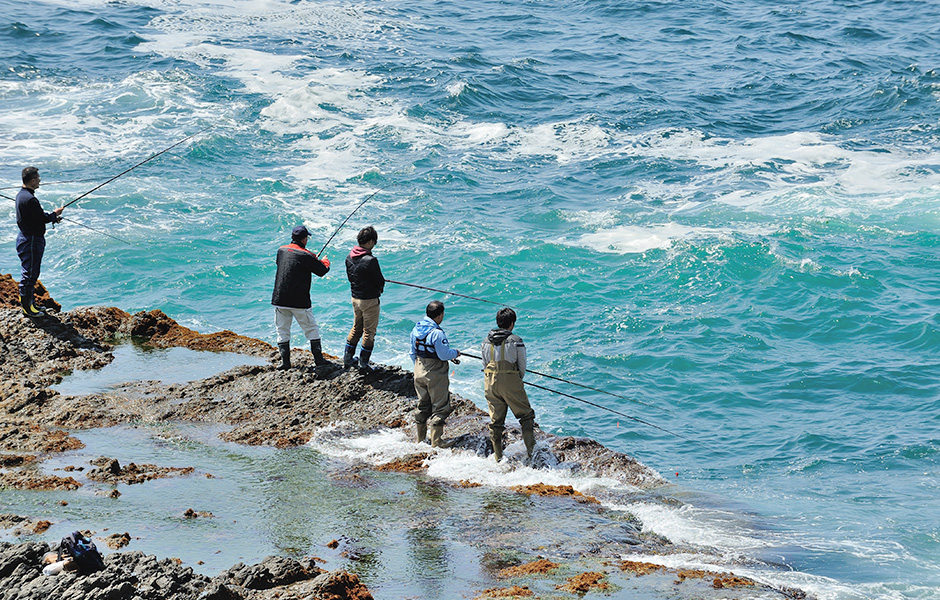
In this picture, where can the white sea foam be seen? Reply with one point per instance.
(55, 126)
(796, 167)
(727, 539)
(454, 89)
(632, 239)
(453, 464)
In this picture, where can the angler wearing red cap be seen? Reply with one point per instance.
(291, 298)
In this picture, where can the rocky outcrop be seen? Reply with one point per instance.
(262, 405)
(137, 576)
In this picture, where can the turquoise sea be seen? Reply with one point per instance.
(729, 211)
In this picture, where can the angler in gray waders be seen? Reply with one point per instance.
(431, 351)
(504, 359)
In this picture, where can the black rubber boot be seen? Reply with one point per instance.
(29, 309)
(364, 355)
(317, 351)
(349, 356)
(284, 349)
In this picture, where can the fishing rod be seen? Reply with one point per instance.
(80, 224)
(143, 162)
(535, 385)
(581, 385)
(369, 197)
(421, 287)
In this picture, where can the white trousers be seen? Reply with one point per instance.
(282, 320)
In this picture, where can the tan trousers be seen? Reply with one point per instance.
(432, 383)
(503, 389)
(365, 322)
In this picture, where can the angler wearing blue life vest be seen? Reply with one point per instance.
(366, 284)
(430, 352)
(291, 297)
(31, 240)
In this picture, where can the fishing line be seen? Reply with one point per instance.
(369, 197)
(113, 237)
(581, 385)
(80, 224)
(421, 287)
(535, 385)
(143, 162)
(48, 183)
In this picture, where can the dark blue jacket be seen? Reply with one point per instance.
(30, 217)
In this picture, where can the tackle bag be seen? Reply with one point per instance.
(83, 551)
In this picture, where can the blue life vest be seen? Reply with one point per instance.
(423, 348)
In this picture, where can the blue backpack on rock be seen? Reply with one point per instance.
(83, 551)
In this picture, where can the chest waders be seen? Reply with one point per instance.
(504, 390)
(432, 387)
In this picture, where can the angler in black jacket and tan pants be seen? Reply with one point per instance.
(366, 284)
(291, 297)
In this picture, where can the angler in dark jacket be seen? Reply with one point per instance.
(31, 240)
(366, 284)
(504, 358)
(291, 297)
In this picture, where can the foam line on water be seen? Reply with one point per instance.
(71, 134)
(453, 465)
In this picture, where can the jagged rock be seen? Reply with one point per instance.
(137, 576)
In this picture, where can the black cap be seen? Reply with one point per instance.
(300, 231)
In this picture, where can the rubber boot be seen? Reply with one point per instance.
(317, 351)
(437, 437)
(284, 349)
(422, 429)
(496, 435)
(349, 356)
(29, 309)
(364, 355)
(528, 436)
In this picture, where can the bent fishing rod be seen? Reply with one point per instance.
(421, 287)
(581, 385)
(361, 204)
(141, 163)
(430, 289)
(80, 224)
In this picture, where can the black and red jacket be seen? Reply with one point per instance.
(292, 282)
(365, 276)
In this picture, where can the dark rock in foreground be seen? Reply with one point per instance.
(137, 576)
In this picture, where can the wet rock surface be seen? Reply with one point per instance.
(109, 470)
(259, 405)
(137, 576)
